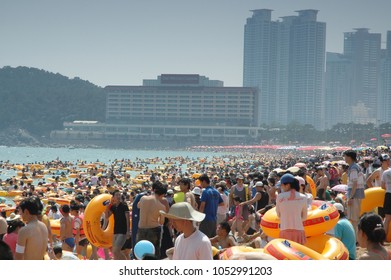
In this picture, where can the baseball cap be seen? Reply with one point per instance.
(259, 184)
(287, 178)
(170, 191)
(339, 207)
(196, 191)
(384, 157)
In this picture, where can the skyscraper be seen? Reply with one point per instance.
(385, 84)
(260, 60)
(363, 50)
(337, 89)
(285, 60)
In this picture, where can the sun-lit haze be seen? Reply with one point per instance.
(125, 41)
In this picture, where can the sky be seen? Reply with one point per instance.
(122, 42)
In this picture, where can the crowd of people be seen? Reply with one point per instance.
(199, 212)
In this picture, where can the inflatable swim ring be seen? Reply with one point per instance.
(321, 247)
(92, 226)
(60, 201)
(234, 250)
(321, 218)
(283, 249)
(328, 246)
(374, 197)
(14, 193)
(55, 227)
(312, 185)
(8, 210)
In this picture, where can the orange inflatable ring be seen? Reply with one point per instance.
(374, 197)
(229, 252)
(55, 226)
(322, 247)
(328, 246)
(312, 185)
(92, 226)
(321, 218)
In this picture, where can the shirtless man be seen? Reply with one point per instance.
(223, 240)
(150, 224)
(66, 230)
(321, 183)
(184, 184)
(33, 238)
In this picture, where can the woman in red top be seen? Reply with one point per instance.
(11, 237)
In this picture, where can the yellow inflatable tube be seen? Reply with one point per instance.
(14, 193)
(321, 247)
(312, 185)
(374, 197)
(328, 246)
(55, 227)
(283, 249)
(230, 252)
(92, 226)
(321, 218)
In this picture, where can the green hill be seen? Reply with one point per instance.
(39, 101)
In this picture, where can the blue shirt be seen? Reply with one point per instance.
(344, 231)
(136, 217)
(212, 199)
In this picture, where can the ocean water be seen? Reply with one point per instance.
(31, 154)
(22, 155)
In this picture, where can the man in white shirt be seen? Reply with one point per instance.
(191, 244)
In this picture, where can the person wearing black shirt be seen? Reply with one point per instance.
(120, 210)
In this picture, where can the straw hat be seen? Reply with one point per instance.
(183, 211)
(13, 217)
(293, 169)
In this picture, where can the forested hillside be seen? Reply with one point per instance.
(39, 101)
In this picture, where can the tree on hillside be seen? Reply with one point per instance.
(40, 101)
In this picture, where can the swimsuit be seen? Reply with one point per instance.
(70, 241)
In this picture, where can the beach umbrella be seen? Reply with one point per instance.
(340, 188)
(387, 135)
(373, 139)
(381, 148)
